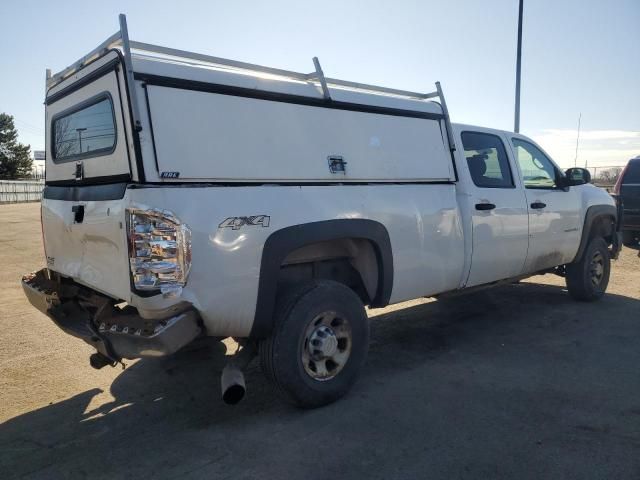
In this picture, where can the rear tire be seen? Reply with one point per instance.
(587, 279)
(318, 345)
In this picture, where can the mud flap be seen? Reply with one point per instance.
(616, 237)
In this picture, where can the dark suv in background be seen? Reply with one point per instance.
(628, 189)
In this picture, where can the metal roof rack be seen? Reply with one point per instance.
(120, 40)
(160, 52)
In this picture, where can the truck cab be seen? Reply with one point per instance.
(526, 214)
(627, 189)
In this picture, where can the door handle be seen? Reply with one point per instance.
(485, 206)
(538, 205)
(78, 213)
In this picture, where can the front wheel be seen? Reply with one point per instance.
(587, 279)
(318, 345)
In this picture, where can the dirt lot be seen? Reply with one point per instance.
(516, 382)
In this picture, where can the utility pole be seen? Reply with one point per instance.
(516, 122)
(575, 161)
(80, 130)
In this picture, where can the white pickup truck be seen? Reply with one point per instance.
(188, 195)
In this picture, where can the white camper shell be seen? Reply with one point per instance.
(198, 120)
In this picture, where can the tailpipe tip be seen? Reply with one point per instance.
(233, 385)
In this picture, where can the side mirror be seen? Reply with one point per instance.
(577, 176)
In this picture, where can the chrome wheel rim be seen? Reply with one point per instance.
(327, 346)
(596, 269)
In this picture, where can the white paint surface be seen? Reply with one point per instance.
(223, 137)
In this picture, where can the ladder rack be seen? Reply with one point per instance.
(120, 40)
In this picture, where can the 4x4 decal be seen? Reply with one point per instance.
(235, 223)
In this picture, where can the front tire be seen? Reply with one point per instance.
(319, 343)
(587, 279)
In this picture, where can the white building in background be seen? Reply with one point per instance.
(38, 163)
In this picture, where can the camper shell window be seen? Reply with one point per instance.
(85, 130)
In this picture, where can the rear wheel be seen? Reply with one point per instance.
(319, 343)
(587, 279)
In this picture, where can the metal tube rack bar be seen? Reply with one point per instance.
(131, 48)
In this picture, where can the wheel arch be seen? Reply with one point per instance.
(286, 240)
(600, 220)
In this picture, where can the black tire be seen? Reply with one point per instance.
(587, 279)
(630, 238)
(281, 355)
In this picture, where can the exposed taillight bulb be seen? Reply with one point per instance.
(159, 250)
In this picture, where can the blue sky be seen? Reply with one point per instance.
(579, 56)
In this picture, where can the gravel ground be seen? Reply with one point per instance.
(515, 382)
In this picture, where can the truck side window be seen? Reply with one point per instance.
(487, 160)
(538, 171)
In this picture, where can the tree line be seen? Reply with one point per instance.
(15, 158)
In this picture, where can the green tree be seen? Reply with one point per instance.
(15, 158)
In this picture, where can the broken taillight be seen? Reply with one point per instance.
(159, 250)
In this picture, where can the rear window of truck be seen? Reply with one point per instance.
(632, 175)
(85, 130)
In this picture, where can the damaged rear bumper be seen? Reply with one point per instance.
(115, 332)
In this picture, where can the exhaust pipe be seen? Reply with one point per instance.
(233, 385)
(232, 381)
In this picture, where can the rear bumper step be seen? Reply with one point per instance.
(115, 333)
